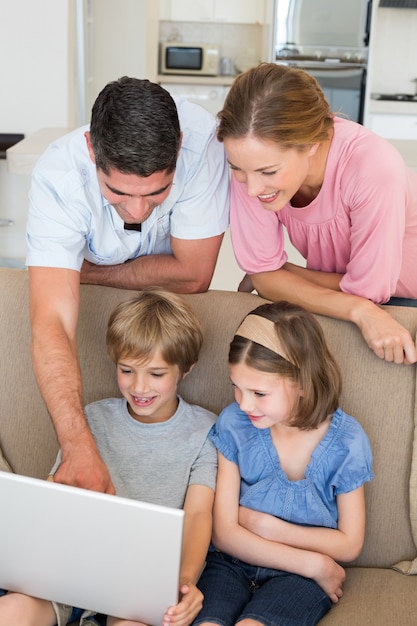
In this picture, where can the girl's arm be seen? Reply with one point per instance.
(198, 509)
(342, 544)
(231, 537)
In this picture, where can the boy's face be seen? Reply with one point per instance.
(150, 388)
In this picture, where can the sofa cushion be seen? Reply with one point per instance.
(410, 567)
(374, 597)
(4, 464)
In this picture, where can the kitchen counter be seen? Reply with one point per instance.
(181, 79)
(397, 107)
(23, 155)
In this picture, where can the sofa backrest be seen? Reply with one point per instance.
(379, 394)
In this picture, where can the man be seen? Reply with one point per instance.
(138, 199)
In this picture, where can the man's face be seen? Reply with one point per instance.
(133, 197)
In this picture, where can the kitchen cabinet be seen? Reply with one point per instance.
(393, 126)
(235, 11)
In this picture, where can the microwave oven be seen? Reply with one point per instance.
(189, 59)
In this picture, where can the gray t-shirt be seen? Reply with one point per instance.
(154, 462)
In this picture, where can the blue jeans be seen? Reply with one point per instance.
(234, 590)
(402, 302)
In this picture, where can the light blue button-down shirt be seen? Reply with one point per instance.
(70, 220)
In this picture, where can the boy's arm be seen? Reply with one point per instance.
(231, 537)
(342, 544)
(198, 509)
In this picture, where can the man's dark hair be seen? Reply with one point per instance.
(135, 128)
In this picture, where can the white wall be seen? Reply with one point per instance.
(228, 274)
(35, 83)
(34, 64)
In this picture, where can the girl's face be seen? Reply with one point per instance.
(150, 388)
(267, 399)
(271, 174)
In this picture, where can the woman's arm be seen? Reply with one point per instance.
(232, 538)
(384, 335)
(342, 544)
(321, 279)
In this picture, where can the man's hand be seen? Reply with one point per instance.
(83, 467)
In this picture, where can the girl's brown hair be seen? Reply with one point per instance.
(312, 365)
(157, 319)
(278, 103)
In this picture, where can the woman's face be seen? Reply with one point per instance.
(271, 174)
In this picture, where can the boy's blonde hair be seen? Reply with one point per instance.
(156, 319)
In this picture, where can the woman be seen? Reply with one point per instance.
(344, 194)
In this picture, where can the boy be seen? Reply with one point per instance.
(154, 443)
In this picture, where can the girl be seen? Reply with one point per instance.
(289, 497)
(344, 195)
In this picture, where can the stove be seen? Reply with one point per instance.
(397, 97)
(331, 63)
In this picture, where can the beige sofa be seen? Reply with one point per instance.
(382, 396)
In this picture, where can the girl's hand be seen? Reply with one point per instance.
(190, 604)
(328, 574)
(261, 524)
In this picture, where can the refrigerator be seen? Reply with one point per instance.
(329, 39)
(112, 38)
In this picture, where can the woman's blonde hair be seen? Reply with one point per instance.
(156, 319)
(278, 103)
(310, 363)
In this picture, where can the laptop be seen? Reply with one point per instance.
(90, 550)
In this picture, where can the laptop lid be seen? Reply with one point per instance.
(90, 550)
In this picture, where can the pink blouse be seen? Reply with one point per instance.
(363, 222)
